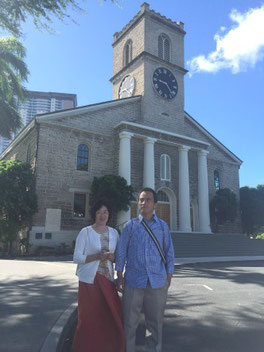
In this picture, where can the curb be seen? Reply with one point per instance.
(60, 328)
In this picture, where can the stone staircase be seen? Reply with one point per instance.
(195, 245)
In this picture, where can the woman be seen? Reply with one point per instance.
(99, 326)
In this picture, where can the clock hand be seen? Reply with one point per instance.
(165, 84)
(169, 88)
(126, 90)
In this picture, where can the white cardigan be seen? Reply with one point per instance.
(88, 242)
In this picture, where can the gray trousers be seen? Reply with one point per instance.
(153, 302)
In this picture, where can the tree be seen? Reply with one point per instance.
(223, 207)
(252, 209)
(14, 12)
(115, 189)
(18, 200)
(13, 71)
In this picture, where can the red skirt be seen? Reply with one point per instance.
(99, 327)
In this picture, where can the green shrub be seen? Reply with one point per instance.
(115, 189)
(260, 237)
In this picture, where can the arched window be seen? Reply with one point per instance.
(162, 197)
(216, 180)
(165, 167)
(82, 157)
(128, 52)
(164, 47)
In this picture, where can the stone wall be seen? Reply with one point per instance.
(137, 35)
(57, 175)
(24, 149)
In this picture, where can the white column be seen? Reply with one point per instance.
(203, 196)
(184, 190)
(149, 165)
(124, 168)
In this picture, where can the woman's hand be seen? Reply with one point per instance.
(98, 256)
(111, 256)
(107, 256)
(101, 256)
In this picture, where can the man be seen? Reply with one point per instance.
(147, 277)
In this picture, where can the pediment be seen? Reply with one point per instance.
(60, 116)
(195, 130)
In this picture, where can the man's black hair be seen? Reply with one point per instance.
(148, 189)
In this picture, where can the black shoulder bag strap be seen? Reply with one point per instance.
(149, 231)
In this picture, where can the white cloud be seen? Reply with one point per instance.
(241, 47)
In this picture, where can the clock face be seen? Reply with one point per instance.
(165, 83)
(127, 87)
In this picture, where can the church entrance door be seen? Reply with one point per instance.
(133, 210)
(163, 208)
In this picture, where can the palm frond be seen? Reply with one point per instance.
(13, 71)
(10, 119)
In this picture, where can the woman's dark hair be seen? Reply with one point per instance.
(98, 205)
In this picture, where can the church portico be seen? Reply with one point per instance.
(184, 217)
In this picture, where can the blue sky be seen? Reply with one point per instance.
(224, 52)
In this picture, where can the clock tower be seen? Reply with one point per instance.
(149, 61)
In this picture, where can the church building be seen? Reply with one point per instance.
(143, 134)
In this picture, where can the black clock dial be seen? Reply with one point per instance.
(165, 83)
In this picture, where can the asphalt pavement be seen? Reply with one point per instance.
(216, 307)
(212, 307)
(34, 294)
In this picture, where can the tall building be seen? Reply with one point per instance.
(143, 134)
(41, 102)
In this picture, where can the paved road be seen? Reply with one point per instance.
(216, 308)
(33, 294)
(211, 307)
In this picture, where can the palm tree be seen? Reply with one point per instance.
(13, 71)
(42, 12)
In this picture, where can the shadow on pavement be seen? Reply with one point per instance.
(212, 334)
(226, 271)
(45, 258)
(199, 320)
(29, 309)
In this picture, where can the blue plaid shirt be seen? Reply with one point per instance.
(137, 251)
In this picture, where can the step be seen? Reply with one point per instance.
(208, 245)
